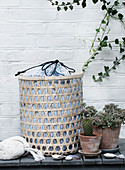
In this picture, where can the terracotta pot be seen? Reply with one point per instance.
(90, 144)
(109, 138)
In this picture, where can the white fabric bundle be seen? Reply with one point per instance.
(15, 147)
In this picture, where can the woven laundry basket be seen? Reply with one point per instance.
(50, 112)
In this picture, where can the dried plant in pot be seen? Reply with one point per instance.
(89, 140)
(108, 122)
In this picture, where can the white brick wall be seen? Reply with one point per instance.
(32, 32)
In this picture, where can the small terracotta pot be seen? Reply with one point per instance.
(90, 144)
(109, 138)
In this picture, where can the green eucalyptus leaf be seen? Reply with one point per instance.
(94, 1)
(65, 8)
(95, 54)
(103, 21)
(114, 12)
(116, 41)
(58, 8)
(106, 68)
(56, 2)
(105, 38)
(84, 3)
(110, 10)
(99, 49)
(116, 3)
(75, 1)
(110, 46)
(122, 50)
(106, 74)
(94, 77)
(63, 3)
(99, 39)
(99, 79)
(71, 7)
(83, 70)
(97, 30)
(100, 74)
(123, 39)
(103, 43)
(108, 3)
(123, 57)
(103, 7)
(120, 16)
(68, 3)
(114, 68)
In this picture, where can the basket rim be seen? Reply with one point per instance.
(74, 75)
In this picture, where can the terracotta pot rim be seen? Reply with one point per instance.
(95, 133)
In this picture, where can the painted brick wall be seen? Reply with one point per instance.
(32, 32)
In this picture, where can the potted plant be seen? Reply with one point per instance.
(108, 122)
(89, 140)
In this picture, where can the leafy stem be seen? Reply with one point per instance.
(101, 36)
(116, 62)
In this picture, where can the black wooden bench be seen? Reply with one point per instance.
(97, 163)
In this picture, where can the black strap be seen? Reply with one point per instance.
(46, 65)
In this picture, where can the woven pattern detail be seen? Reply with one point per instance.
(50, 112)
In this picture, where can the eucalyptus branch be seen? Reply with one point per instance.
(97, 32)
(89, 60)
(111, 12)
(107, 70)
(115, 63)
(65, 5)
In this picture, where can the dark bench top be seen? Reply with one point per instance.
(100, 162)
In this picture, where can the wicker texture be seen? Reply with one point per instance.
(50, 112)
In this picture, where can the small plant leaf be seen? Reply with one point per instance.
(84, 3)
(97, 30)
(116, 3)
(99, 79)
(120, 16)
(103, 7)
(116, 41)
(105, 38)
(63, 3)
(122, 50)
(110, 46)
(71, 7)
(123, 57)
(103, 21)
(56, 2)
(65, 8)
(114, 12)
(94, 77)
(58, 8)
(100, 74)
(99, 49)
(106, 68)
(114, 68)
(94, 1)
